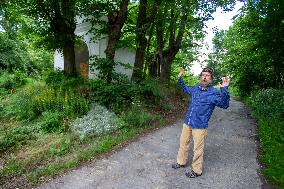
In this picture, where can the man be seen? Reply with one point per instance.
(204, 98)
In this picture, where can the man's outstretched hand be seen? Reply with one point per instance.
(225, 82)
(181, 72)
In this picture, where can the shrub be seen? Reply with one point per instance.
(17, 136)
(118, 96)
(98, 121)
(138, 118)
(14, 80)
(20, 105)
(13, 54)
(106, 68)
(52, 122)
(58, 100)
(269, 102)
(35, 99)
(268, 106)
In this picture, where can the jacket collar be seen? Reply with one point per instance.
(204, 89)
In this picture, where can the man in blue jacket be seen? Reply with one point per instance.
(204, 98)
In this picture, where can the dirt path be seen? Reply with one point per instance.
(229, 160)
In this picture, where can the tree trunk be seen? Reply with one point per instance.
(63, 26)
(140, 40)
(166, 63)
(69, 58)
(153, 68)
(143, 24)
(167, 56)
(116, 20)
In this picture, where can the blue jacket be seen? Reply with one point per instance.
(203, 103)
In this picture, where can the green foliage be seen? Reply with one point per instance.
(20, 105)
(13, 54)
(271, 134)
(9, 81)
(118, 96)
(251, 51)
(17, 136)
(137, 117)
(19, 55)
(55, 78)
(216, 57)
(106, 69)
(52, 122)
(33, 100)
(269, 102)
(268, 107)
(59, 80)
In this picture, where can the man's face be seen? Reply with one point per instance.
(205, 79)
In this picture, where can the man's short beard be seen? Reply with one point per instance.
(204, 84)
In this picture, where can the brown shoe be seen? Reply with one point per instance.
(176, 166)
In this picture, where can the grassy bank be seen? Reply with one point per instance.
(268, 109)
(49, 127)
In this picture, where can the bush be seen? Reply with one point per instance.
(14, 80)
(17, 136)
(98, 121)
(269, 108)
(269, 102)
(13, 54)
(106, 68)
(35, 99)
(118, 96)
(138, 118)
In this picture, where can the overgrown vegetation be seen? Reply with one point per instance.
(45, 128)
(268, 106)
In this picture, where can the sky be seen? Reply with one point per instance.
(222, 21)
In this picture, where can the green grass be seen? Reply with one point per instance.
(267, 106)
(53, 154)
(92, 148)
(271, 134)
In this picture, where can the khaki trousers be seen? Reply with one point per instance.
(198, 136)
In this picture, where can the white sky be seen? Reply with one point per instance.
(222, 21)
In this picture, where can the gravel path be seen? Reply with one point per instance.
(230, 159)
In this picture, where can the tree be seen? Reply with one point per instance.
(55, 22)
(107, 19)
(17, 51)
(143, 24)
(254, 47)
(176, 30)
(216, 57)
(158, 30)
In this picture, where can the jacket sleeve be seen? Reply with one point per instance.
(185, 88)
(223, 98)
